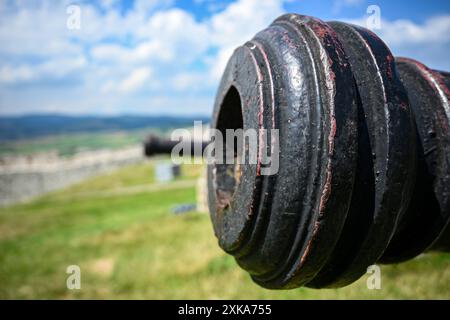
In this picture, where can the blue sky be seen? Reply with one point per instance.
(166, 57)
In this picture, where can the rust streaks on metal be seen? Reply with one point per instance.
(364, 167)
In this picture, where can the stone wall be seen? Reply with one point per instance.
(23, 178)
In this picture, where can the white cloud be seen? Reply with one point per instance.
(238, 23)
(154, 58)
(242, 19)
(428, 42)
(135, 80)
(177, 33)
(174, 36)
(10, 74)
(190, 81)
(399, 32)
(39, 31)
(49, 70)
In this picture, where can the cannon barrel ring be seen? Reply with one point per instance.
(364, 155)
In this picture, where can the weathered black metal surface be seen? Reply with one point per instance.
(269, 232)
(386, 163)
(429, 210)
(443, 242)
(349, 155)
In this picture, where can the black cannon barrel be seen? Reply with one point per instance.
(154, 145)
(364, 165)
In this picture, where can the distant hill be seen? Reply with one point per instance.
(35, 126)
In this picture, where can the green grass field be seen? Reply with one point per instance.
(120, 230)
